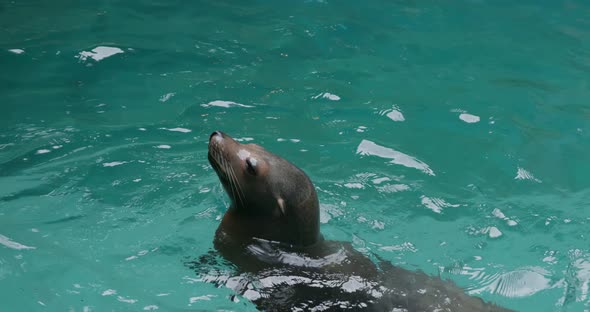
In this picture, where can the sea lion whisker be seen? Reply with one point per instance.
(236, 181)
(225, 168)
(240, 190)
(233, 181)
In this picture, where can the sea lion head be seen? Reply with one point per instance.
(270, 197)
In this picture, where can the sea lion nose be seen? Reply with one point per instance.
(215, 133)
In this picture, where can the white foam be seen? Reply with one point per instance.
(109, 292)
(43, 151)
(493, 232)
(114, 163)
(123, 299)
(200, 298)
(329, 96)
(167, 96)
(12, 244)
(379, 180)
(511, 222)
(17, 51)
(226, 104)
(329, 211)
(367, 147)
(378, 225)
(394, 114)
(550, 259)
(500, 215)
(435, 204)
(468, 118)
(99, 53)
(354, 186)
(522, 174)
(177, 129)
(393, 188)
(164, 146)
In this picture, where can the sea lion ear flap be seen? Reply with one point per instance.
(282, 206)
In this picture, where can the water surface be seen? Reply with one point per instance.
(449, 137)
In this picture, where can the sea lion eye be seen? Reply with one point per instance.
(251, 165)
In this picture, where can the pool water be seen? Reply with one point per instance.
(451, 138)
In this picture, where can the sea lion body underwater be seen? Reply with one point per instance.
(271, 233)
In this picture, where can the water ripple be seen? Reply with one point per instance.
(514, 284)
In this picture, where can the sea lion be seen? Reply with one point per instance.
(271, 233)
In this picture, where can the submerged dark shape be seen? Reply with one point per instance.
(270, 233)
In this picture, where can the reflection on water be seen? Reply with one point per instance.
(98, 53)
(367, 147)
(12, 244)
(519, 283)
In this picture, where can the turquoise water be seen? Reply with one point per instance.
(446, 137)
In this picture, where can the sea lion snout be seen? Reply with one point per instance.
(215, 135)
(219, 143)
